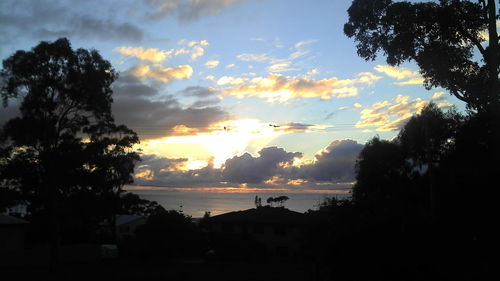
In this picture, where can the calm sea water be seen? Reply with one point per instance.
(195, 202)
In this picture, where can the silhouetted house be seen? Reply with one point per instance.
(12, 234)
(277, 230)
(126, 226)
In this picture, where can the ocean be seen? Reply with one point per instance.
(196, 201)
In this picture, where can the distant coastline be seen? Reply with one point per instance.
(217, 200)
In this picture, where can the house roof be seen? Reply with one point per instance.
(124, 219)
(10, 220)
(264, 215)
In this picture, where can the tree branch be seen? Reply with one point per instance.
(460, 96)
(474, 41)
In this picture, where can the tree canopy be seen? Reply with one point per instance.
(455, 43)
(64, 143)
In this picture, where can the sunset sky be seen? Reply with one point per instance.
(233, 93)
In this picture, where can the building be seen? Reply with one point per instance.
(276, 232)
(12, 235)
(126, 226)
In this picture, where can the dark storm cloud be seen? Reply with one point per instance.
(204, 103)
(293, 127)
(161, 171)
(155, 119)
(206, 96)
(249, 169)
(334, 164)
(199, 92)
(51, 19)
(130, 86)
(187, 10)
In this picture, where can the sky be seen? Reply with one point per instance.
(261, 94)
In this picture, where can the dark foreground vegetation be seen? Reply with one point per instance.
(425, 204)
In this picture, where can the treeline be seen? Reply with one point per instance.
(424, 204)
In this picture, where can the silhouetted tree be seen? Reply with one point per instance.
(280, 200)
(132, 204)
(456, 46)
(381, 176)
(257, 202)
(441, 37)
(64, 144)
(169, 234)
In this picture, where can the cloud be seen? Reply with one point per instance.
(437, 96)
(412, 81)
(253, 57)
(392, 115)
(161, 171)
(206, 96)
(301, 44)
(249, 169)
(187, 10)
(398, 73)
(164, 116)
(160, 73)
(367, 78)
(333, 167)
(277, 65)
(197, 52)
(151, 54)
(335, 163)
(293, 127)
(231, 65)
(228, 80)
(130, 86)
(276, 87)
(200, 92)
(212, 63)
(195, 48)
(157, 119)
(50, 19)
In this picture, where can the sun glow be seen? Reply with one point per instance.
(225, 140)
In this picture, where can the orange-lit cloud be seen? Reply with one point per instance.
(197, 48)
(276, 87)
(211, 64)
(392, 115)
(222, 140)
(412, 81)
(151, 54)
(160, 73)
(398, 73)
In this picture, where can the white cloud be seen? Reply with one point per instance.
(253, 57)
(212, 63)
(301, 44)
(228, 80)
(210, 77)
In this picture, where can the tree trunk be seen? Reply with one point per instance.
(493, 56)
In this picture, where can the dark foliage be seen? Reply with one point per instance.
(441, 37)
(63, 157)
(168, 234)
